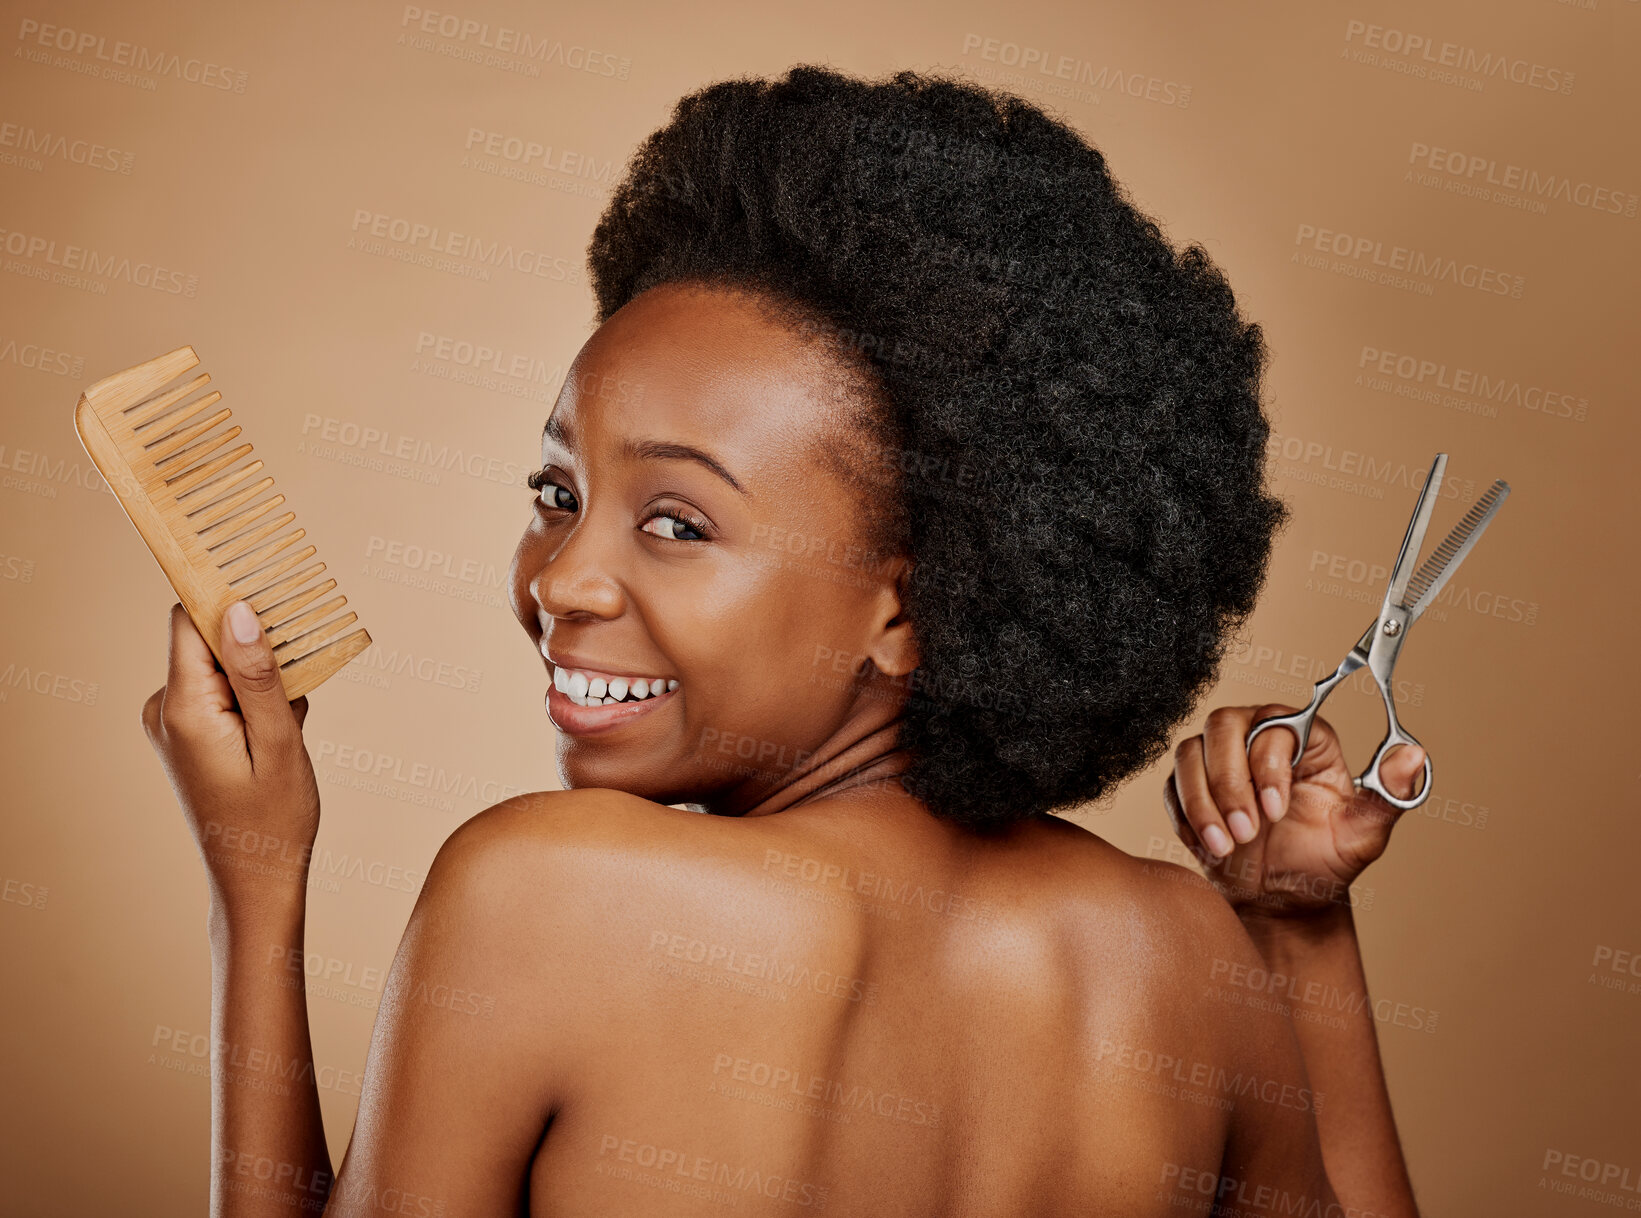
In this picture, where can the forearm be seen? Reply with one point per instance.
(1333, 1016)
(268, 1152)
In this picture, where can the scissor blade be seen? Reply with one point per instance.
(1445, 559)
(1416, 527)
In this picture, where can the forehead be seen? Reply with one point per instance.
(701, 366)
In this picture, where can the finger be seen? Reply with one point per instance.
(299, 708)
(1182, 827)
(1402, 769)
(1225, 759)
(1270, 761)
(1196, 801)
(270, 725)
(192, 682)
(1323, 752)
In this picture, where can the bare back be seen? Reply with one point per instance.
(825, 1011)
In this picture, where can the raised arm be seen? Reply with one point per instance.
(1284, 865)
(232, 748)
(464, 1063)
(1341, 1050)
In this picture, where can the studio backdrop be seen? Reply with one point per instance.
(370, 221)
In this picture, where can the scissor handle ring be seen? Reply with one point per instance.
(1299, 722)
(1370, 779)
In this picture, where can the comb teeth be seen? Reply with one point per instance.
(214, 533)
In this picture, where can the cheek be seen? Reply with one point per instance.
(771, 647)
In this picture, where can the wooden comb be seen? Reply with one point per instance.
(194, 501)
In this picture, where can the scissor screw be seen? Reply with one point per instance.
(1392, 627)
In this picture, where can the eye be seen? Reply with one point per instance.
(672, 523)
(554, 493)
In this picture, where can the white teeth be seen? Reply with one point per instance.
(584, 690)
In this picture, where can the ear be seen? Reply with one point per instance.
(894, 647)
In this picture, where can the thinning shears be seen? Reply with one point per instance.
(1408, 595)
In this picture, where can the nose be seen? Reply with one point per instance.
(576, 580)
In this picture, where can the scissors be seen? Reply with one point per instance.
(1408, 595)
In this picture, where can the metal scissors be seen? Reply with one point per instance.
(1408, 595)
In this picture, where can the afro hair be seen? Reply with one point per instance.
(1069, 408)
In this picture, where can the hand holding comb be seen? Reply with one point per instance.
(196, 502)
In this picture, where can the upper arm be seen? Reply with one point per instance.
(1272, 1141)
(472, 1042)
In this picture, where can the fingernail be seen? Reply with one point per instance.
(1271, 800)
(1214, 838)
(242, 621)
(1242, 828)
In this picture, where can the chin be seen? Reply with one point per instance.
(580, 767)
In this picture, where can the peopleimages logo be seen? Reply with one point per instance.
(1489, 179)
(39, 358)
(92, 267)
(1045, 68)
(1431, 57)
(499, 46)
(1371, 258)
(93, 54)
(31, 145)
(1494, 388)
(430, 245)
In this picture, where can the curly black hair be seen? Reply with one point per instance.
(1070, 408)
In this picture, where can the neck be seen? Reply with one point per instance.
(872, 759)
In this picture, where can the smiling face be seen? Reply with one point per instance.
(692, 525)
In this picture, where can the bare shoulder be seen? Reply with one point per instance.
(1174, 908)
(1192, 907)
(544, 815)
(1219, 983)
(540, 868)
(529, 831)
(532, 891)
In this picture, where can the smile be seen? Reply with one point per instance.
(586, 701)
(585, 687)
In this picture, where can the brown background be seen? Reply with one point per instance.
(1494, 927)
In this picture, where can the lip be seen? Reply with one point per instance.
(575, 720)
(565, 660)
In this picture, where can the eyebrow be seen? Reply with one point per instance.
(651, 450)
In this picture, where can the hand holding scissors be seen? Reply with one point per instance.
(1408, 595)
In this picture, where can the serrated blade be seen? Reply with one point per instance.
(1436, 570)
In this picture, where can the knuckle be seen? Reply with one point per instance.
(169, 723)
(261, 677)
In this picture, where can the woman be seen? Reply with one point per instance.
(908, 490)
